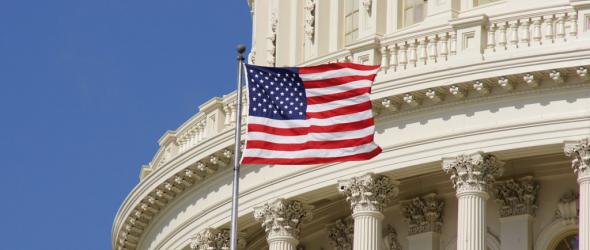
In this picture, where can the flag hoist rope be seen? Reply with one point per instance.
(238, 132)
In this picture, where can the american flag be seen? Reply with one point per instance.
(310, 115)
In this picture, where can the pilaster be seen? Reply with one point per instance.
(367, 195)
(517, 201)
(282, 220)
(341, 234)
(424, 216)
(579, 151)
(472, 176)
(214, 239)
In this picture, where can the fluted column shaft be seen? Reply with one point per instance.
(579, 151)
(472, 176)
(367, 195)
(282, 243)
(584, 217)
(367, 230)
(471, 226)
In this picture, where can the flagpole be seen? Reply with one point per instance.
(238, 132)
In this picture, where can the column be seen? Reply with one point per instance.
(214, 239)
(368, 194)
(282, 220)
(517, 201)
(424, 216)
(580, 153)
(472, 176)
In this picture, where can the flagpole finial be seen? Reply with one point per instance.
(241, 49)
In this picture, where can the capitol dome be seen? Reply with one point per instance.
(482, 109)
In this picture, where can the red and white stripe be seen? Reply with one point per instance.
(339, 125)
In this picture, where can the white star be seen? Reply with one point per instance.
(254, 108)
(256, 75)
(272, 83)
(292, 94)
(272, 92)
(251, 71)
(259, 104)
(286, 107)
(301, 104)
(291, 103)
(274, 111)
(282, 93)
(296, 108)
(264, 100)
(281, 102)
(263, 110)
(290, 112)
(300, 94)
(259, 94)
(254, 98)
(300, 113)
(287, 98)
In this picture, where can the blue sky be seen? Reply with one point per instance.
(87, 88)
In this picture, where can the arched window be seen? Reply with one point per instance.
(413, 11)
(568, 242)
(351, 21)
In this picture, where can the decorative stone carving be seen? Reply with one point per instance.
(272, 40)
(580, 153)
(213, 239)
(369, 192)
(367, 4)
(556, 76)
(390, 241)
(473, 172)
(582, 72)
(433, 95)
(457, 91)
(283, 217)
(389, 104)
(505, 83)
(411, 100)
(530, 80)
(481, 87)
(567, 208)
(423, 214)
(309, 28)
(341, 234)
(517, 197)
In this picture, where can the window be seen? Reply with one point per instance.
(351, 21)
(414, 11)
(569, 242)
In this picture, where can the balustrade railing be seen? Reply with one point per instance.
(517, 33)
(414, 52)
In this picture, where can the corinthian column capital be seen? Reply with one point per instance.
(211, 238)
(282, 218)
(517, 197)
(423, 214)
(579, 151)
(473, 172)
(341, 234)
(369, 192)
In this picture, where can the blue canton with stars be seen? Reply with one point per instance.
(276, 93)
